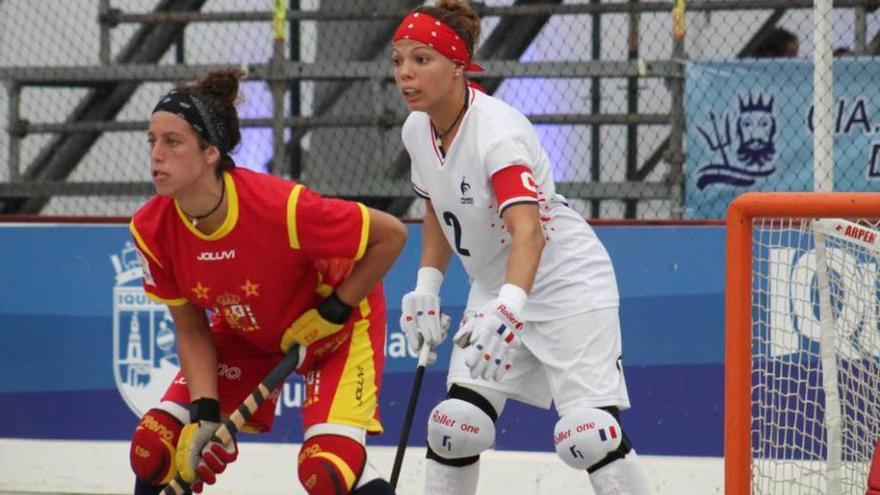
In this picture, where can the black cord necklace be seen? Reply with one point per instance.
(195, 219)
(438, 136)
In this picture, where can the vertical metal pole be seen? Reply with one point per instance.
(861, 28)
(180, 47)
(823, 99)
(674, 155)
(596, 109)
(13, 89)
(276, 83)
(632, 108)
(104, 32)
(380, 154)
(294, 89)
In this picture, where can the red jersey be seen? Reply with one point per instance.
(259, 270)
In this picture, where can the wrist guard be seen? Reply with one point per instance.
(204, 409)
(334, 310)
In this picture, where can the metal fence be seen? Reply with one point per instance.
(602, 80)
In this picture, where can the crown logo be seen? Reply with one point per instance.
(228, 299)
(756, 104)
(126, 264)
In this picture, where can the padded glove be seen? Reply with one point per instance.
(318, 323)
(490, 337)
(204, 421)
(420, 317)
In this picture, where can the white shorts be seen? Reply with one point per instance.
(575, 362)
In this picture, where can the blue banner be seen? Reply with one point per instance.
(749, 128)
(83, 352)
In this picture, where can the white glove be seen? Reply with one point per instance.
(490, 337)
(420, 317)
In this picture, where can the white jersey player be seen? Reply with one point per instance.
(541, 323)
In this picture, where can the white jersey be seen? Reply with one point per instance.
(575, 273)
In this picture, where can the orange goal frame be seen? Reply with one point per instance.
(738, 310)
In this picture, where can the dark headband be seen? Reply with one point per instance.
(199, 115)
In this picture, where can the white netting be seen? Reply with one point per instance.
(797, 263)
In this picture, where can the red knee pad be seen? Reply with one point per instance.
(331, 464)
(153, 445)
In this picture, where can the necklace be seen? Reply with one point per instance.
(195, 219)
(438, 136)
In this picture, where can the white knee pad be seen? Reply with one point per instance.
(586, 436)
(458, 429)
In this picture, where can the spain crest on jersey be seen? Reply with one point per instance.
(144, 355)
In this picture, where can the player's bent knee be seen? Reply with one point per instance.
(153, 445)
(331, 464)
(459, 431)
(589, 439)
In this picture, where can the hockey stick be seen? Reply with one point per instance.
(244, 411)
(410, 412)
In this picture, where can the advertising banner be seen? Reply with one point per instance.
(84, 352)
(749, 128)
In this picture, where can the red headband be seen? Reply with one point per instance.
(421, 27)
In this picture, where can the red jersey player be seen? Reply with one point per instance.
(543, 304)
(250, 264)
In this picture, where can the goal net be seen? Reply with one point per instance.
(803, 356)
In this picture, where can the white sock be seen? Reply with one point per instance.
(621, 477)
(370, 473)
(441, 479)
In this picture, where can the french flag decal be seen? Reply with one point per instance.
(612, 431)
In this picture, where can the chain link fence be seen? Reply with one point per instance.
(603, 81)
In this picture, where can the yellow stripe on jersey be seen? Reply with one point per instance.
(324, 290)
(365, 232)
(292, 234)
(178, 301)
(364, 306)
(231, 213)
(356, 398)
(341, 465)
(143, 245)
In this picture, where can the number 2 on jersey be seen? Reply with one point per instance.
(450, 220)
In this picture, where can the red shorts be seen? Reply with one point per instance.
(344, 390)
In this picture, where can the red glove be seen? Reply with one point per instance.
(200, 458)
(215, 458)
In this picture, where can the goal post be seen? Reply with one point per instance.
(801, 299)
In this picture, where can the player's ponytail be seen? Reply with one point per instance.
(460, 16)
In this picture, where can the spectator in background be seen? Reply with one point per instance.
(779, 43)
(843, 51)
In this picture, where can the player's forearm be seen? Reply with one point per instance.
(435, 248)
(197, 351)
(527, 244)
(435, 252)
(386, 239)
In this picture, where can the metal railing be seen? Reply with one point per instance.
(284, 77)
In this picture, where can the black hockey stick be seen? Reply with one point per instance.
(244, 411)
(410, 412)
(424, 354)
